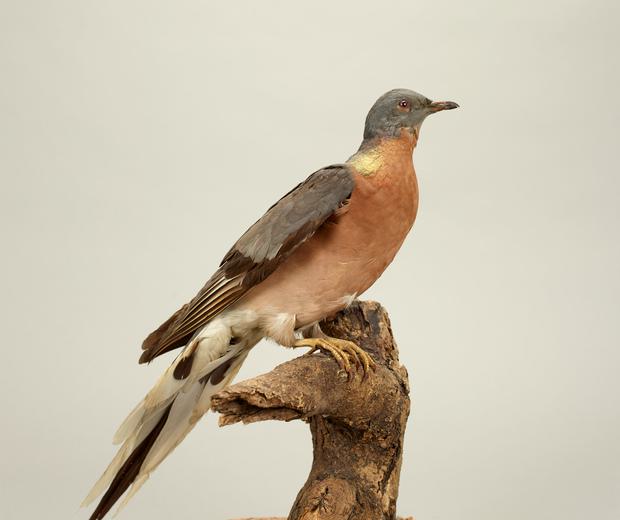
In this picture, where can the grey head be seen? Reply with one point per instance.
(400, 109)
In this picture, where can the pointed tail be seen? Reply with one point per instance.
(169, 412)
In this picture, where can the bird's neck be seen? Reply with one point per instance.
(376, 153)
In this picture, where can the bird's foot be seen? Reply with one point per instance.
(343, 351)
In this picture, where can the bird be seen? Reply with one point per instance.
(309, 256)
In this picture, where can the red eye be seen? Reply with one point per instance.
(403, 103)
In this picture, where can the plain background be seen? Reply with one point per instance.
(139, 139)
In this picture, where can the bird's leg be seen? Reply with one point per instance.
(342, 350)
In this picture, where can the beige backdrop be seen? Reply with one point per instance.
(139, 139)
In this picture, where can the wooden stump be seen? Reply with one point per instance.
(357, 425)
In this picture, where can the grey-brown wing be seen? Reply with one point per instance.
(257, 254)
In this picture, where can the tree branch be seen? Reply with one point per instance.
(357, 426)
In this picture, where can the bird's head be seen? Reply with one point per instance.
(401, 109)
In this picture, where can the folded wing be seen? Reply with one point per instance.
(257, 254)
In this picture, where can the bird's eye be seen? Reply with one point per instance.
(404, 104)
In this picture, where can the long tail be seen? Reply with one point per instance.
(169, 411)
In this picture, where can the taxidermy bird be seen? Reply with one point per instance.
(309, 256)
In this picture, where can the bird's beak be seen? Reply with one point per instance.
(438, 106)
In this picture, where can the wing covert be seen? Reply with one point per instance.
(260, 250)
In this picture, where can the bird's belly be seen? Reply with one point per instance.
(342, 260)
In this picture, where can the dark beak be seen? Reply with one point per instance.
(438, 106)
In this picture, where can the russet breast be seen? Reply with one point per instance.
(347, 255)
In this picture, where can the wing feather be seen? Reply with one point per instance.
(258, 253)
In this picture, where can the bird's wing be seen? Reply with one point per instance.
(260, 250)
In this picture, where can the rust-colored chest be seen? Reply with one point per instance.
(385, 202)
(347, 255)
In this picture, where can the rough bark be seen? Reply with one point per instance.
(357, 425)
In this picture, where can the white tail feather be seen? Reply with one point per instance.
(185, 401)
(187, 409)
(121, 456)
(129, 424)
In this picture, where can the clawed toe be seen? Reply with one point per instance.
(344, 353)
